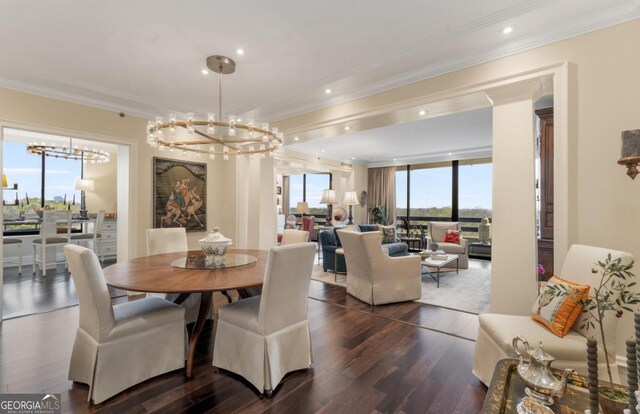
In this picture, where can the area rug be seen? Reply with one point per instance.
(468, 291)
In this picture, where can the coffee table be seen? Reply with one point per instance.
(438, 264)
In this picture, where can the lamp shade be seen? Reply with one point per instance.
(83, 185)
(302, 207)
(5, 184)
(328, 197)
(350, 198)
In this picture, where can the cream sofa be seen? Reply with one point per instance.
(437, 231)
(497, 331)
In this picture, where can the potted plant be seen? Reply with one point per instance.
(378, 214)
(612, 294)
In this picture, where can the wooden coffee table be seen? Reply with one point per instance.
(438, 264)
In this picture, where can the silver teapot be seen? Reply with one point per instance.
(542, 385)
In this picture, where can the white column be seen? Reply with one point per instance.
(514, 251)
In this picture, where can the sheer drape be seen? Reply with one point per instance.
(285, 195)
(382, 190)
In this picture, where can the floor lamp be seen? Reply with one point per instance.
(329, 198)
(350, 199)
(83, 185)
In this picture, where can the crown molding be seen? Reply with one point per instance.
(430, 157)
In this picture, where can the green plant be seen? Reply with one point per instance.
(378, 214)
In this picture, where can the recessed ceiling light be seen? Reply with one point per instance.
(449, 153)
(296, 138)
(422, 112)
(327, 91)
(240, 51)
(322, 150)
(353, 158)
(347, 128)
(507, 30)
(395, 159)
(204, 71)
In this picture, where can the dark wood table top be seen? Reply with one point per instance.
(155, 274)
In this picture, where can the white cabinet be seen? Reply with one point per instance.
(109, 238)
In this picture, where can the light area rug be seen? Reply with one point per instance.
(468, 291)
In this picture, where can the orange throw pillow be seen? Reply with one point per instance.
(559, 305)
(452, 236)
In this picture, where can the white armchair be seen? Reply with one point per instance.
(373, 276)
(437, 231)
(496, 331)
(264, 337)
(120, 346)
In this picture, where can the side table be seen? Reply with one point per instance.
(338, 252)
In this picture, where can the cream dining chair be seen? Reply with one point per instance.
(94, 237)
(55, 231)
(119, 346)
(264, 337)
(291, 236)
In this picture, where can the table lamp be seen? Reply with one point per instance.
(329, 198)
(83, 185)
(350, 199)
(302, 207)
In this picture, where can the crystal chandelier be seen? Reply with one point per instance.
(216, 136)
(70, 152)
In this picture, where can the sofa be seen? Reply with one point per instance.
(330, 242)
(437, 231)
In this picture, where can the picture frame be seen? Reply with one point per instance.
(279, 190)
(179, 194)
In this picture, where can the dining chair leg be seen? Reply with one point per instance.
(43, 256)
(20, 259)
(226, 294)
(33, 262)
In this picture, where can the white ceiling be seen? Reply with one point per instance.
(145, 57)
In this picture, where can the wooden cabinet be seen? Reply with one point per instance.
(109, 238)
(545, 242)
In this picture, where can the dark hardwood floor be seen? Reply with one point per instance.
(408, 358)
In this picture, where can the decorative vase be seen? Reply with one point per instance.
(215, 246)
(434, 246)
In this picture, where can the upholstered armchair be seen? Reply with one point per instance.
(308, 224)
(437, 231)
(497, 331)
(373, 276)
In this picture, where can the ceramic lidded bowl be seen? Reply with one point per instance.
(215, 246)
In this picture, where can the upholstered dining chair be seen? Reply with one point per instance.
(55, 231)
(94, 237)
(496, 331)
(119, 346)
(264, 337)
(373, 276)
(14, 241)
(171, 240)
(308, 225)
(291, 236)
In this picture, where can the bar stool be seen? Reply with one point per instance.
(10, 241)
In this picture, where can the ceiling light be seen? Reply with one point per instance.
(422, 112)
(449, 153)
(226, 137)
(395, 159)
(240, 51)
(322, 150)
(327, 91)
(347, 128)
(296, 138)
(507, 30)
(204, 71)
(353, 158)
(69, 152)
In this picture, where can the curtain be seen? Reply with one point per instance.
(382, 190)
(285, 195)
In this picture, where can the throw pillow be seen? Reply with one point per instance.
(559, 305)
(367, 227)
(452, 236)
(388, 233)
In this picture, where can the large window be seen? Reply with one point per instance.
(457, 191)
(308, 187)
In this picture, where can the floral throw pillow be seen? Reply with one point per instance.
(452, 236)
(559, 305)
(388, 234)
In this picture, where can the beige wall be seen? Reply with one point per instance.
(105, 184)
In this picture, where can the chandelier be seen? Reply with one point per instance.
(230, 137)
(70, 152)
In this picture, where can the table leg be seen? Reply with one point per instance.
(205, 305)
(226, 295)
(438, 276)
(335, 267)
(181, 298)
(457, 266)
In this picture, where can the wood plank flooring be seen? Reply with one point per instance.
(385, 359)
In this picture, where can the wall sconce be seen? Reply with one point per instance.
(630, 151)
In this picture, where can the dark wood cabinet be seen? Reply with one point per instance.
(545, 242)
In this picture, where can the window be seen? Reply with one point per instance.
(401, 193)
(59, 177)
(474, 195)
(430, 193)
(296, 191)
(308, 187)
(25, 170)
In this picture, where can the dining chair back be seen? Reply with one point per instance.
(291, 236)
(291, 221)
(94, 237)
(55, 231)
(119, 346)
(166, 240)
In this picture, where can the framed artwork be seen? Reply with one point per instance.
(278, 190)
(179, 194)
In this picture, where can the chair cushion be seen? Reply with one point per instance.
(243, 313)
(84, 236)
(11, 241)
(453, 248)
(52, 240)
(143, 314)
(396, 249)
(503, 328)
(559, 305)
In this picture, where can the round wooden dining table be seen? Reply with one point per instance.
(156, 275)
